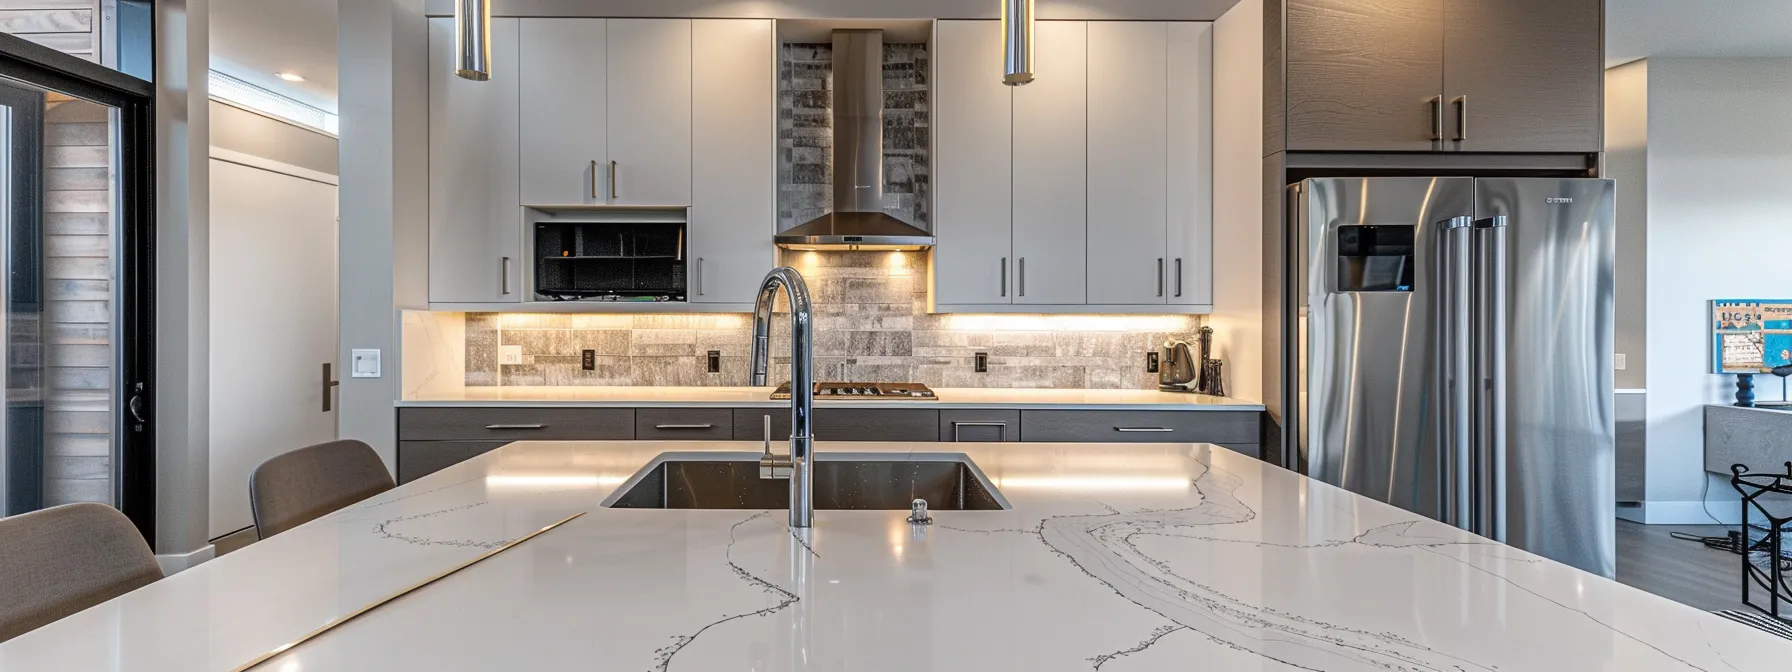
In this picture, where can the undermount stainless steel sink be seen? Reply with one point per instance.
(947, 485)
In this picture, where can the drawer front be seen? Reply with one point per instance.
(979, 425)
(516, 424)
(1140, 426)
(417, 459)
(843, 424)
(684, 424)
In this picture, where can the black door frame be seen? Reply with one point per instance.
(132, 406)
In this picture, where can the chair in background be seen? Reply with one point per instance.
(61, 560)
(303, 485)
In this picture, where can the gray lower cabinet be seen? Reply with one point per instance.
(417, 459)
(979, 425)
(1222, 427)
(843, 424)
(516, 424)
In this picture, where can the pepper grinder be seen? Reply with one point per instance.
(1205, 381)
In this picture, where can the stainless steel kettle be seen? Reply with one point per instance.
(1177, 368)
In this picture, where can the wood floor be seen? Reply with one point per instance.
(1683, 571)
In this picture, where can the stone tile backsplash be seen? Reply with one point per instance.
(806, 134)
(871, 324)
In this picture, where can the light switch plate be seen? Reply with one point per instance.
(364, 363)
(1618, 361)
(510, 354)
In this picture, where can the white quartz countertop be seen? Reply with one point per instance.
(753, 397)
(1113, 557)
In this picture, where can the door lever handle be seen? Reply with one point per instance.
(329, 383)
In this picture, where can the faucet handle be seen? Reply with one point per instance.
(917, 512)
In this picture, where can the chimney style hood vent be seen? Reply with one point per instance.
(858, 221)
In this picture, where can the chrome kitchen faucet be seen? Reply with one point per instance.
(802, 388)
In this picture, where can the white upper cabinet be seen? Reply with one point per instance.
(972, 167)
(734, 182)
(564, 134)
(475, 215)
(1191, 164)
(1051, 126)
(650, 111)
(1128, 163)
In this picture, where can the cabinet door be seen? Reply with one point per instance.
(564, 156)
(1362, 75)
(1191, 164)
(649, 101)
(1128, 171)
(1051, 126)
(1525, 75)
(734, 183)
(475, 215)
(972, 166)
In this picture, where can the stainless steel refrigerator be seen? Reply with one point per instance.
(1455, 347)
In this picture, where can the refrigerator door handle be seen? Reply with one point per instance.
(1455, 370)
(1489, 450)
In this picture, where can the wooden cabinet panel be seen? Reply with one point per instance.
(475, 213)
(565, 133)
(1140, 426)
(733, 182)
(973, 195)
(684, 424)
(1051, 126)
(842, 424)
(979, 425)
(417, 459)
(1128, 172)
(1530, 73)
(649, 103)
(1361, 75)
(1191, 164)
(516, 424)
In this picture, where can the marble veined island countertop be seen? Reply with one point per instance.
(754, 397)
(1111, 557)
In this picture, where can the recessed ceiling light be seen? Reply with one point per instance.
(289, 76)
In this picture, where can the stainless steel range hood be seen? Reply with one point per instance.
(858, 221)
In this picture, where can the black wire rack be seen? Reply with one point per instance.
(1763, 563)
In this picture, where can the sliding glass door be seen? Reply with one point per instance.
(75, 170)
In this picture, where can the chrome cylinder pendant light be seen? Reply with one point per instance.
(1017, 42)
(473, 39)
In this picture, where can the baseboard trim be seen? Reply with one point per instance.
(174, 563)
(1683, 513)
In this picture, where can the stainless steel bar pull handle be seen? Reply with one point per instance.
(1021, 278)
(534, 426)
(504, 275)
(613, 167)
(1004, 276)
(699, 276)
(1179, 276)
(1143, 429)
(1454, 369)
(1489, 377)
(1160, 276)
(594, 179)
(704, 426)
(1461, 103)
(1437, 117)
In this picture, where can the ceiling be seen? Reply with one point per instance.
(253, 39)
(1696, 28)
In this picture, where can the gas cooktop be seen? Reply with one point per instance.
(862, 391)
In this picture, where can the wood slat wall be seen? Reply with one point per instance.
(77, 244)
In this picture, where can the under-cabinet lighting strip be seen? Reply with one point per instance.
(382, 601)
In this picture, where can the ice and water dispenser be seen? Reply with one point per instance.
(1375, 258)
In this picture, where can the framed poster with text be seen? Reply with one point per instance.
(1750, 335)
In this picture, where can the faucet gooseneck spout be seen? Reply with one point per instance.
(802, 388)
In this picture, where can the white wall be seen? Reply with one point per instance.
(1719, 211)
(1237, 318)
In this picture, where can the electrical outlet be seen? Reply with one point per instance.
(510, 354)
(981, 362)
(588, 360)
(1618, 361)
(1151, 362)
(715, 361)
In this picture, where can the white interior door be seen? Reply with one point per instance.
(273, 321)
